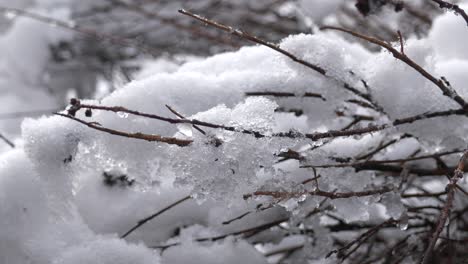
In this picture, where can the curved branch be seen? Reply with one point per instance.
(443, 86)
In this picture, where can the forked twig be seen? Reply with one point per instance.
(137, 135)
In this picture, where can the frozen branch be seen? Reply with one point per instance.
(138, 135)
(439, 82)
(330, 195)
(277, 48)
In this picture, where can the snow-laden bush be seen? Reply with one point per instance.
(339, 154)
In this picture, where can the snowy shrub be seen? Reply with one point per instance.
(336, 145)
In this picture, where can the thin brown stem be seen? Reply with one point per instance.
(151, 217)
(138, 135)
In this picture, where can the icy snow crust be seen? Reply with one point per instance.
(57, 211)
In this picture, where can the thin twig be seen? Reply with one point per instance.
(444, 214)
(400, 37)
(149, 218)
(235, 233)
(361, 239)
(356, 164)
(138, 135)
(7, 141)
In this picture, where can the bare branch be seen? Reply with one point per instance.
(285, 94)
(444, 214)
(457, 9)
(7, 141)
(138, 135)
(151, 217)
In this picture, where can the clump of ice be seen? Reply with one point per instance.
(239, 157)
(395, 208)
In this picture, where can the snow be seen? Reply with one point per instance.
(447, 33)
(230, 251)
(107, 250)
(22, 198)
